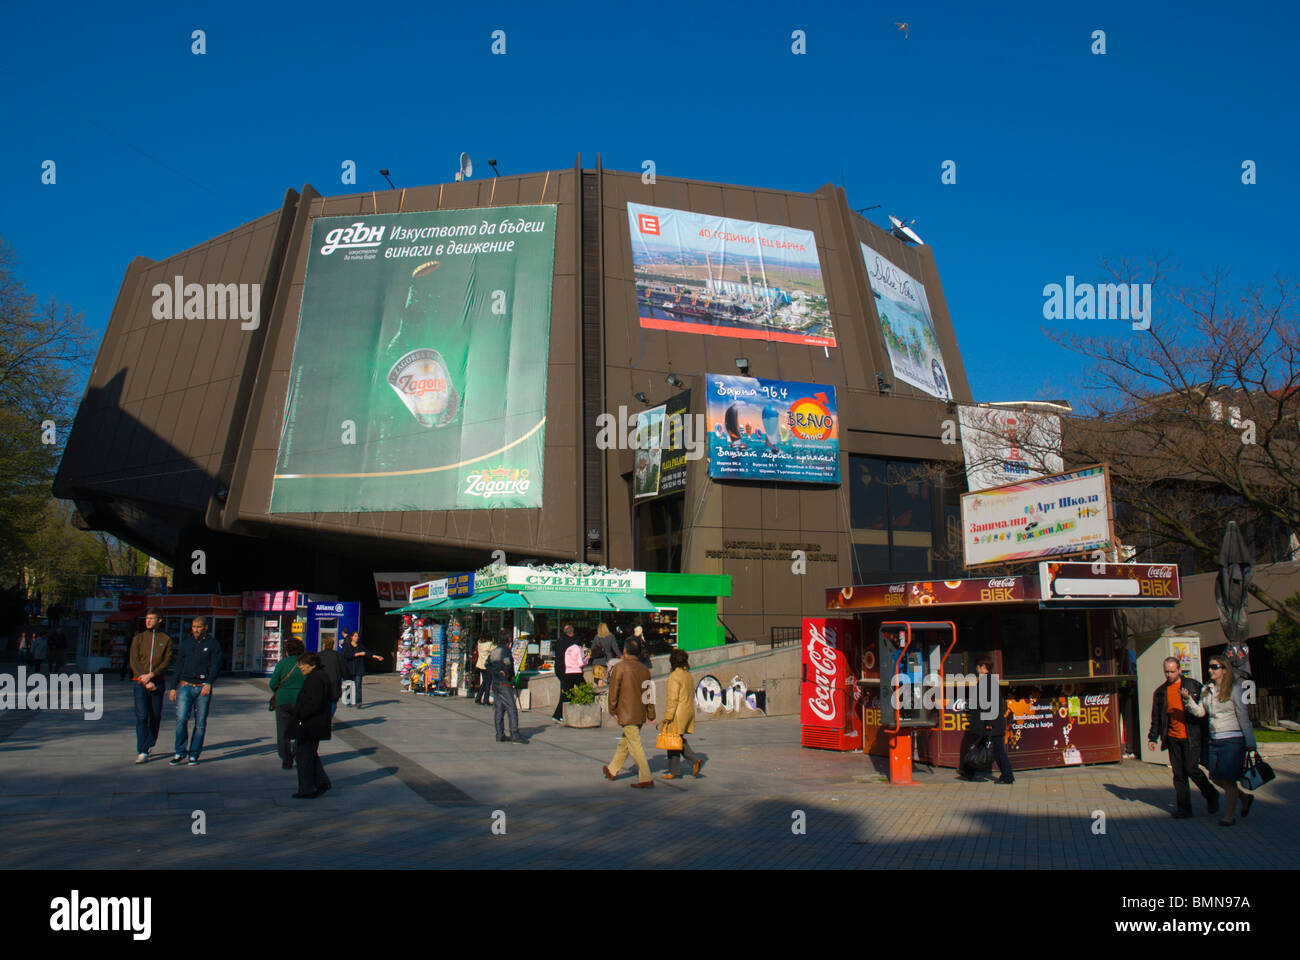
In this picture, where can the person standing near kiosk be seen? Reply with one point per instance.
(986, 719)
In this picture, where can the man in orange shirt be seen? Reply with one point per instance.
(1182, 735)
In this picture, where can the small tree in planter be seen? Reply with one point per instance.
(581, 709)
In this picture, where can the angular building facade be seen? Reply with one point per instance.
(431, 373)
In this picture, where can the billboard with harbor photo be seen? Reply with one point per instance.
(699, 273)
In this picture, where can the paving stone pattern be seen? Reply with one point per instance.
(417, 781)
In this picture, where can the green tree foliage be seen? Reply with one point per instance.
(41, 346)
(1284, 643)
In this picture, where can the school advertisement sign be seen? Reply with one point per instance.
(697, 273)
(772, 430)
(1069, 513)
(419, 370)
(907, 326)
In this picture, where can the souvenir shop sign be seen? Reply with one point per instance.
(1136, 584)
(1069, 513)
(575, 577)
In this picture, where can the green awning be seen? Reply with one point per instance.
(421, 606)
(630, 603)
(502, 601)
(566, 600)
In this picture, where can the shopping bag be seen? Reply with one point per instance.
(980, 755)
(1256, 774)
(668, 740)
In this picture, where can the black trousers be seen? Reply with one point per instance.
(283, 721)
(1185, 765)
(484, 687)
(311, 772)
(567, 682)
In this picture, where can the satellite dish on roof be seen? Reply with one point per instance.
(466, 168)
(904, 231)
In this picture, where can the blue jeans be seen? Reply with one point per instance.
(503, 700)
(188, 699)
(148, 716)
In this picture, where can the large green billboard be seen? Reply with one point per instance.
(419, 370)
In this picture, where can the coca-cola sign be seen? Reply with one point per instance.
(820, 654)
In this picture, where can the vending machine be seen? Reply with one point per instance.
(828, 690)
(1185, 645)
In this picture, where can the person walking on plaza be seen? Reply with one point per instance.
(679, 714)
(332, 662)
(995, 728)
(501, 674)
(312, 713)
(627, 683)
(24, 649)
(150, 656)
(1182, 736)
(197, 666)
(1223, 700)
(568, 667)
(638, 634)
(286, 683)
(484, 651)
(40, 653)
(603, 650)
(356, 655)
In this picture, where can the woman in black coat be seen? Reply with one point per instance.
(312, 712)
(356, 655)
(995, 728)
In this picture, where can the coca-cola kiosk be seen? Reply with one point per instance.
(829, 692)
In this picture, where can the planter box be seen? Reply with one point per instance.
(582, 715)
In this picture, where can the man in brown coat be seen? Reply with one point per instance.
(149, 657)
(630, 700)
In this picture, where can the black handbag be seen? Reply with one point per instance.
(980, 754)
(1256, 774)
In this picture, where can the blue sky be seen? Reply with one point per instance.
(1062, 157)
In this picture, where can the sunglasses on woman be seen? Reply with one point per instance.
(1216, 666)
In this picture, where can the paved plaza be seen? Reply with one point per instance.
(419, 782)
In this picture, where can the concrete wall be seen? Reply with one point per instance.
(775, 673)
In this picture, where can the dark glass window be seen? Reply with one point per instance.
(891, 511)
(659, 534)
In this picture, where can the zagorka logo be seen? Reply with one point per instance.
(357, 236)
(499, 482)
(422, 381)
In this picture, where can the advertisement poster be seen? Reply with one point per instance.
(1139, 584)
(1065, 730)
(772, 430)
(697, 273)
(907, 326)
(1004, 446)
(419, 369)
(660, 465)
(1068, 513)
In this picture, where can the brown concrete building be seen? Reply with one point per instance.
(174, 447)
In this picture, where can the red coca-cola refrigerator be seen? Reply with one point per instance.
(829, 709)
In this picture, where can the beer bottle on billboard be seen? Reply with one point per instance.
(423, 377)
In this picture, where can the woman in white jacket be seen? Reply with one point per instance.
(1231, 736)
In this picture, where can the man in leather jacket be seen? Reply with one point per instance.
(1182, 735)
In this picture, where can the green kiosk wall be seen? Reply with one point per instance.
(695, 595)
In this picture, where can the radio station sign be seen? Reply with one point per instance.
(1068, 513)
(1139, 584)
(772, 430)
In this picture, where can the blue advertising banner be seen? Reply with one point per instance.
(772, 430)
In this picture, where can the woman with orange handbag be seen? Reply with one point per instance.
(679, 717)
